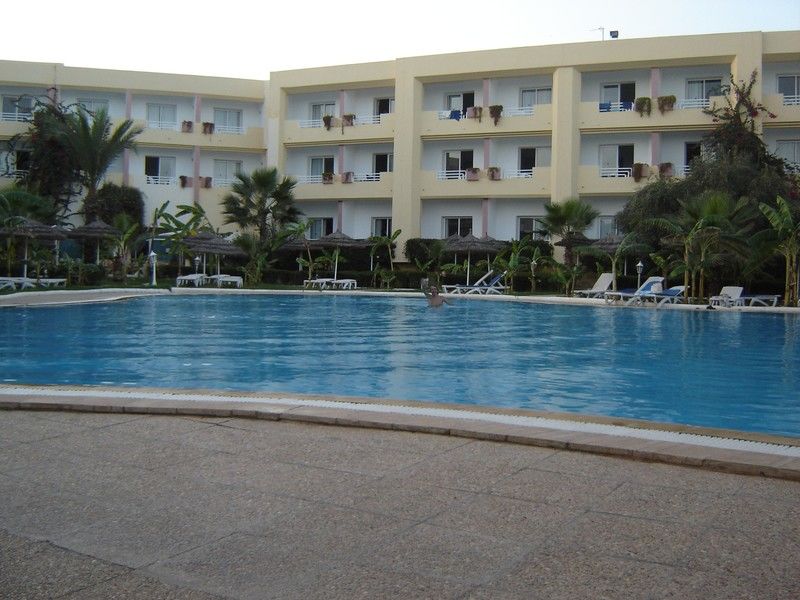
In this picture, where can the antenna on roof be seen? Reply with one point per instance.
(602, 31)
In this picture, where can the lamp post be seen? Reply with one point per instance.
(196, 264)
(153, 259)
(639, 269)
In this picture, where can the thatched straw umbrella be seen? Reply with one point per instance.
(571, 241)
(338, 240)
(96, 230)
(470, 243)
(207, 242)
(30, 229)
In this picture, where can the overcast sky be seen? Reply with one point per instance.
(236, 38)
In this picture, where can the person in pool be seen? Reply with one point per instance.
(434, 299)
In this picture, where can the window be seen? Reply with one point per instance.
(692, 150)
(228, 120)
(702, 89)
(383, 163)
(14, 164)
(531, 226)
(17, 108)
(529, 158)
(162, 116)
(93, 105)
(534, 96)
(789, 85)
(461, 101)
(382, 226)
(616, 160)
(321, 109)
(617, 96)
(607, 226)
(457, 226)
(317, 165)
(225, 171)
(789, 150)
(319, 226)
(384, 106)
(159, 170)
(457, 160)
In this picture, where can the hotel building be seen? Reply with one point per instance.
(415, 143)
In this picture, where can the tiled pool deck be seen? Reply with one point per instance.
(144, 493)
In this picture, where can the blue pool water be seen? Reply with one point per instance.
(730, 370)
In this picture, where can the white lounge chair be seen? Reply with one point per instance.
(760, 299)
(6, 282)
(195, 279)
(672, 295)
(650, 286)
(730, 295)
(319, 283)
(344, 284)
(232, 280)
(599, 288)
(455, 289)
(493, 286)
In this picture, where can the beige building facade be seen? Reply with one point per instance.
(444, 144)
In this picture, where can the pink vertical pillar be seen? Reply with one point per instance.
(341, 103)
(655, 148)
(485, 93)
(53, 93)
(339, 214)
(196, 175)
(340, 160)
(128, 104)
(484, 217)
(487, 153)
(198, 108)
(126, 154)
(655, 82)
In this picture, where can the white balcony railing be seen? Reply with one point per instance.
(519, 111)
(160, 180)
(693, 103)
(686, 169)
(367, 177)
(310, 123)
(220, 182)
(167, 125)
(454, 114)
(19, 117)
(232, 129)
(446, 175)
(368, 120)
(791, 100)
(308, 178)
(616, 172)
(521, 174)
(615, 106)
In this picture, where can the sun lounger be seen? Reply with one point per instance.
(599, 288)
(5, 282)
(344, 284)
(730, 295)
(760, 299)
(650, 286)
(319, 283)
(672, 295)
(493, 286)
(231, 280)
(454, 289)
(18, 282)
(52, 282)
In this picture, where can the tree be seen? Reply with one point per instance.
(261, 201)
(566, 220)
(387, 242)
(630, 244)
(94, 145)
(785, 231)
(112, 200)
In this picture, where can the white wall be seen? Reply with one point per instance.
(433, 152)
(673, 147)
(362, 102)
(590, 146)
(592, 82)
(357, 216)
(435, 95)
(504, 215)
(433, 211)
(608, 207)
(358, 157)
(505, 152)
(297, 159)
(298, 106)
(250, 161)
(116, 101)
(318, 209)
(251, 111)
(769, 80)
(673, 79)
(185, 106)
(507, 90)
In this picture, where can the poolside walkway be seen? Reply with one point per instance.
(141, 506)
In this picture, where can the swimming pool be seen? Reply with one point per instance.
(729, 370)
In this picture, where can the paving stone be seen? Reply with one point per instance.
(133, 586)
(25, 427)
(548, 486)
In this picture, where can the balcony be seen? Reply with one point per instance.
(362, 128)
(614, 106)
(687, 115)
(607, 181)
(223, 138)
(514, 120)
(12, 124)
(785, 108)
(164, 125)
(461, 184)
(160, 180)
(344, 187)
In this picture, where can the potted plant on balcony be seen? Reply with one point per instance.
(348, 120)
(327, 177)
(347, 177)
(185, 180)
(207, 181)
(495, 111)
(473, 173)
(475, 112)
(643, 106)
(665, 169)
(638, 171)
(666, 103)
(327, 120)
(187, 126)
(493, 173)
(208, 127)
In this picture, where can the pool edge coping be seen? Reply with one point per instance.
(743, 462)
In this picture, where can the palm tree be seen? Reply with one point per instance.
(384, 241)
(261, 201)
(786, 236)
(628, 245)
(94, 146)
(566, 220)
